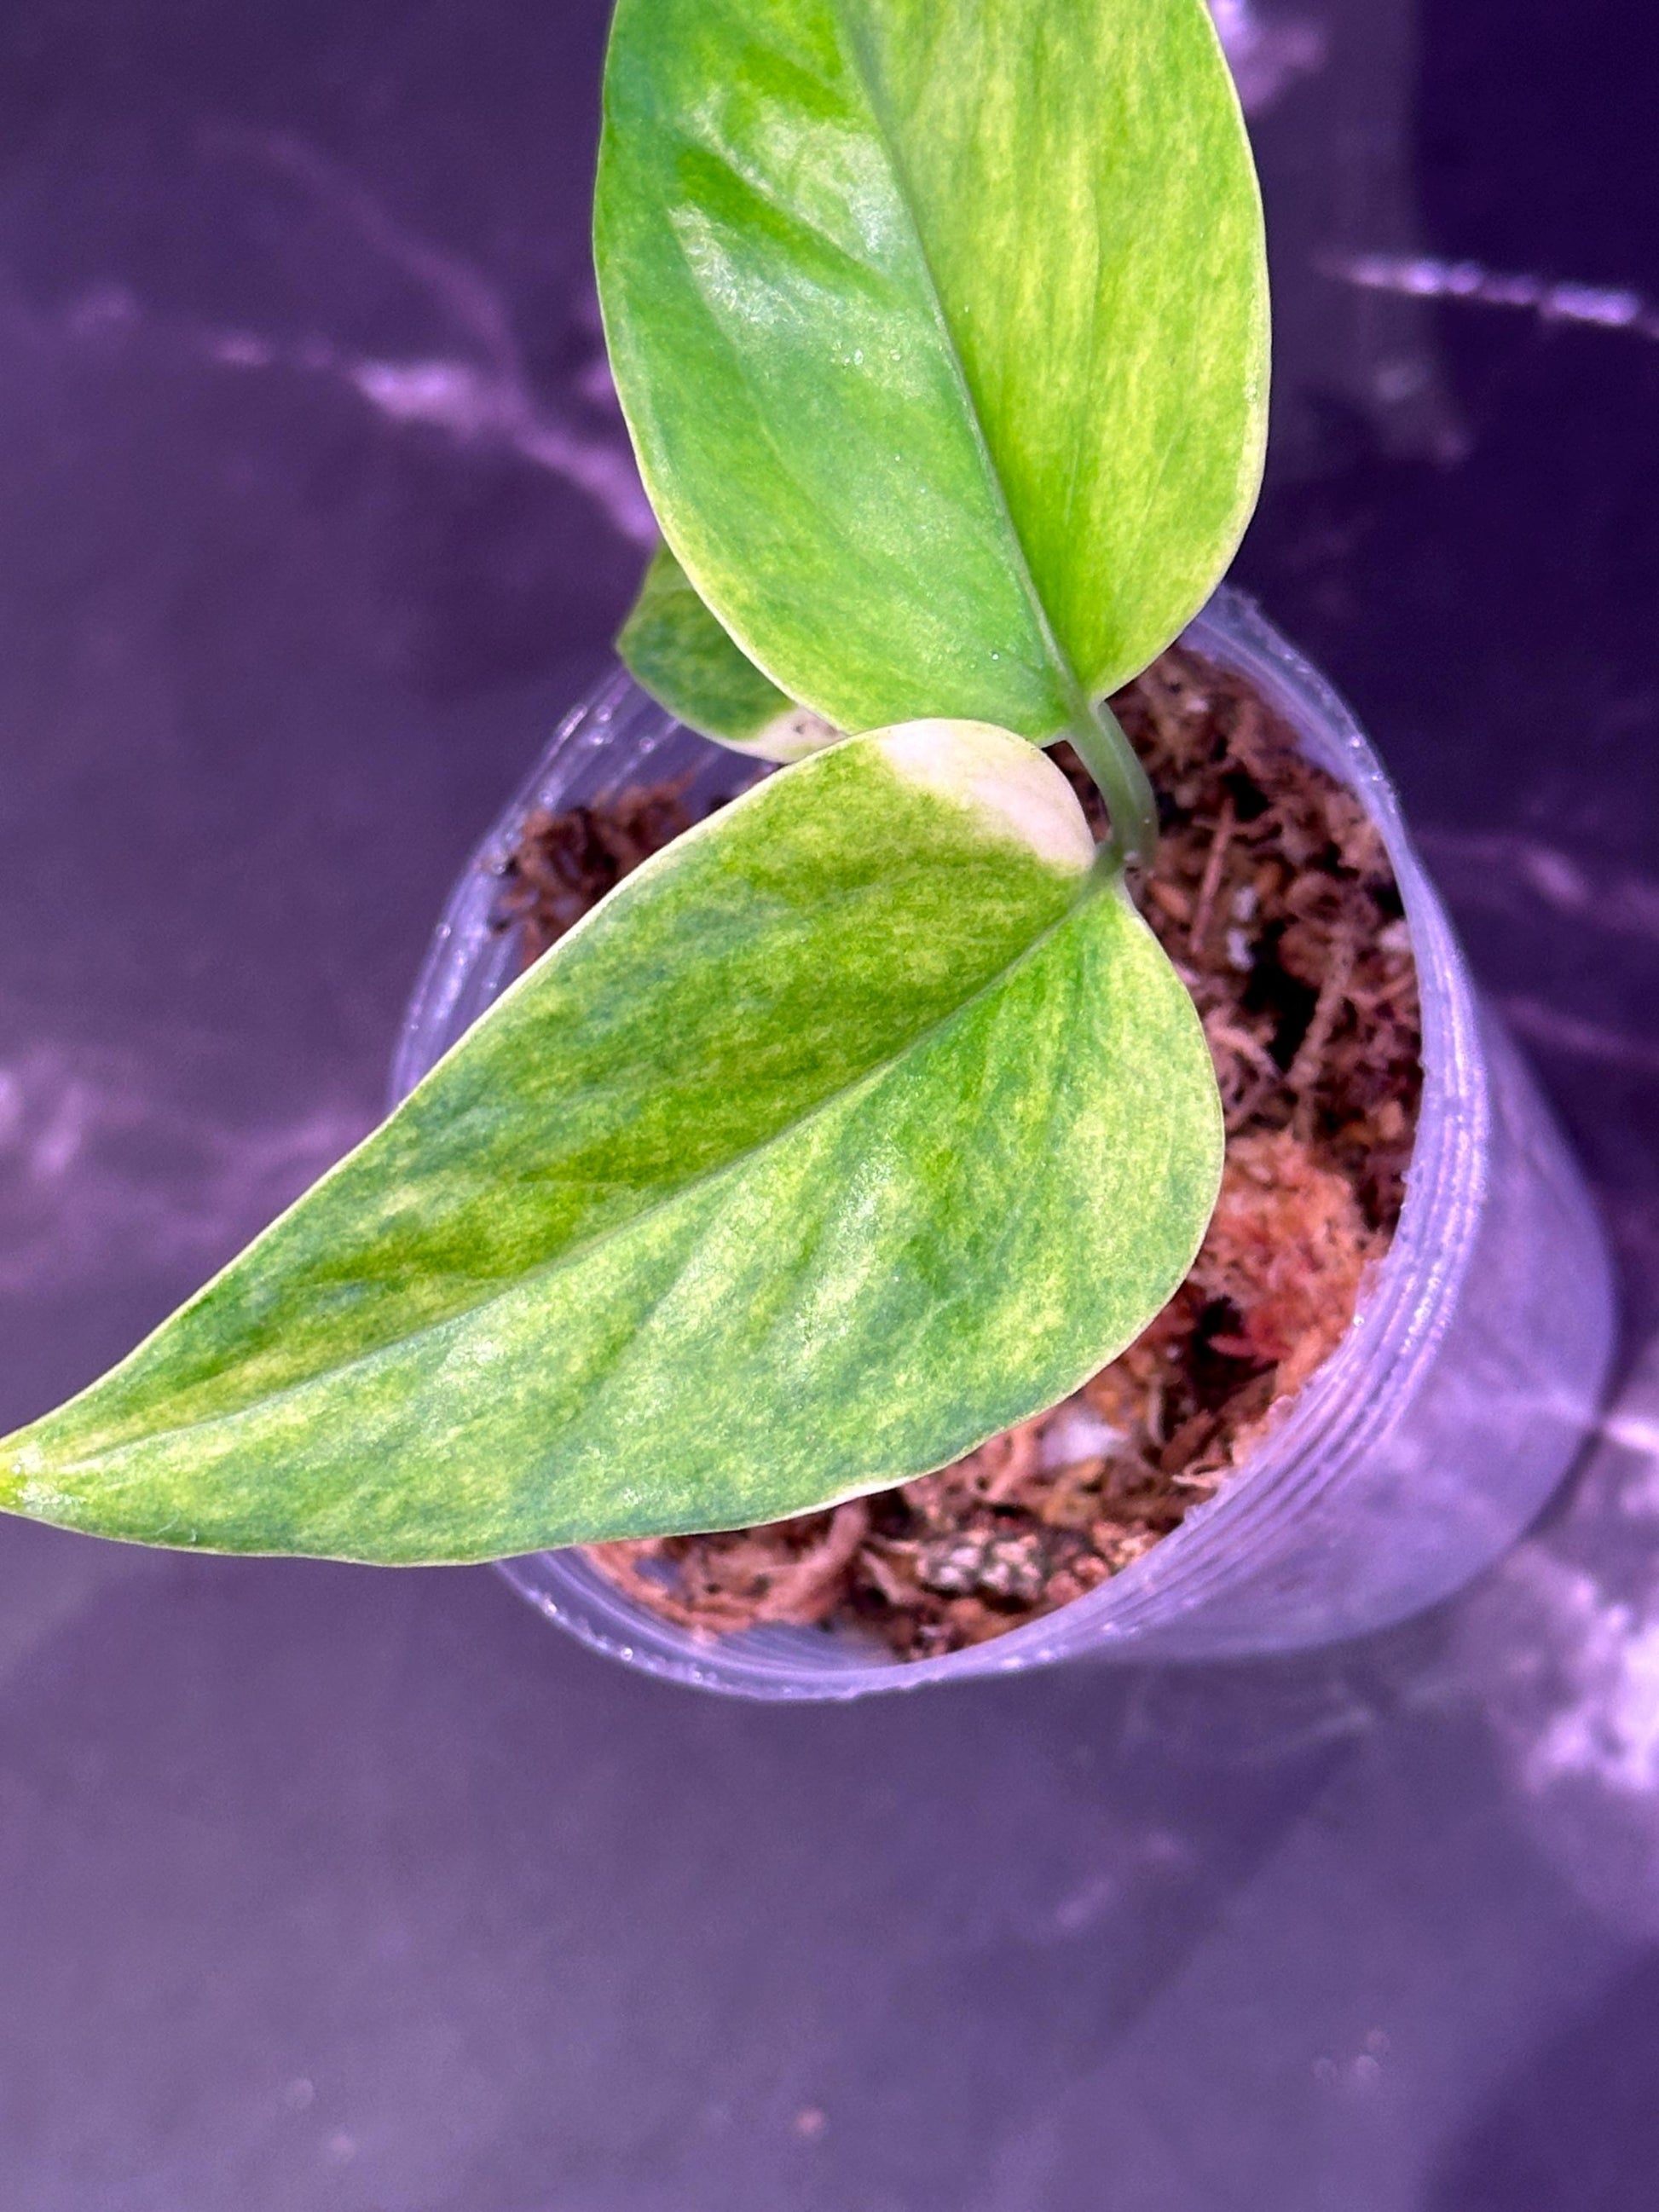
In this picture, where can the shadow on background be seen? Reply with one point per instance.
(1574, 2128)
(326, 1887)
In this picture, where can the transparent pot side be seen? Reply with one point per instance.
(1421, 1448)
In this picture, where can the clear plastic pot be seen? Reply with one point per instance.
(1422, 1447)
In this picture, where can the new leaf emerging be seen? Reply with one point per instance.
(673, 648)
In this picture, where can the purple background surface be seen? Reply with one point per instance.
(364, 1891)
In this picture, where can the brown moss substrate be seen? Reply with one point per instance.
(1273, 896)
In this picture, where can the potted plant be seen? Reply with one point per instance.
(869, 1118)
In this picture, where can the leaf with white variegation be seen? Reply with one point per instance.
(865, 1120)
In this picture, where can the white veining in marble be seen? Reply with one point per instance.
(1560, 1648)
(1501, 869)
(1422, 277)
(85, 1131)
(481, 394)
(1552, 1030)
(1267, 53)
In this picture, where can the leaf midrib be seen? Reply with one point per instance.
(1070, 683)
(1092, 886)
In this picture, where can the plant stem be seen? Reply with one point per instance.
(1110, 759)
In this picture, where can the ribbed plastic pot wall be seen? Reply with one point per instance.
(1418, 1452)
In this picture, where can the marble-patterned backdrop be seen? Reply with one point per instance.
(323, 1890)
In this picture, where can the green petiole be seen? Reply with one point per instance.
(1111, 760)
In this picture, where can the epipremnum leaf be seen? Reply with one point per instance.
(940, 326)
(676, 649)
(863, 1121)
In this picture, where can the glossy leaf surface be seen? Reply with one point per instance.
(940, 326)
(675, 648)
(860, 1122)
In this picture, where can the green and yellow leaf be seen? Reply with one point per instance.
(672, 646)
(863, 1121)
(940, 327)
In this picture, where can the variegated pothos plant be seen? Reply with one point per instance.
(868, 1118)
